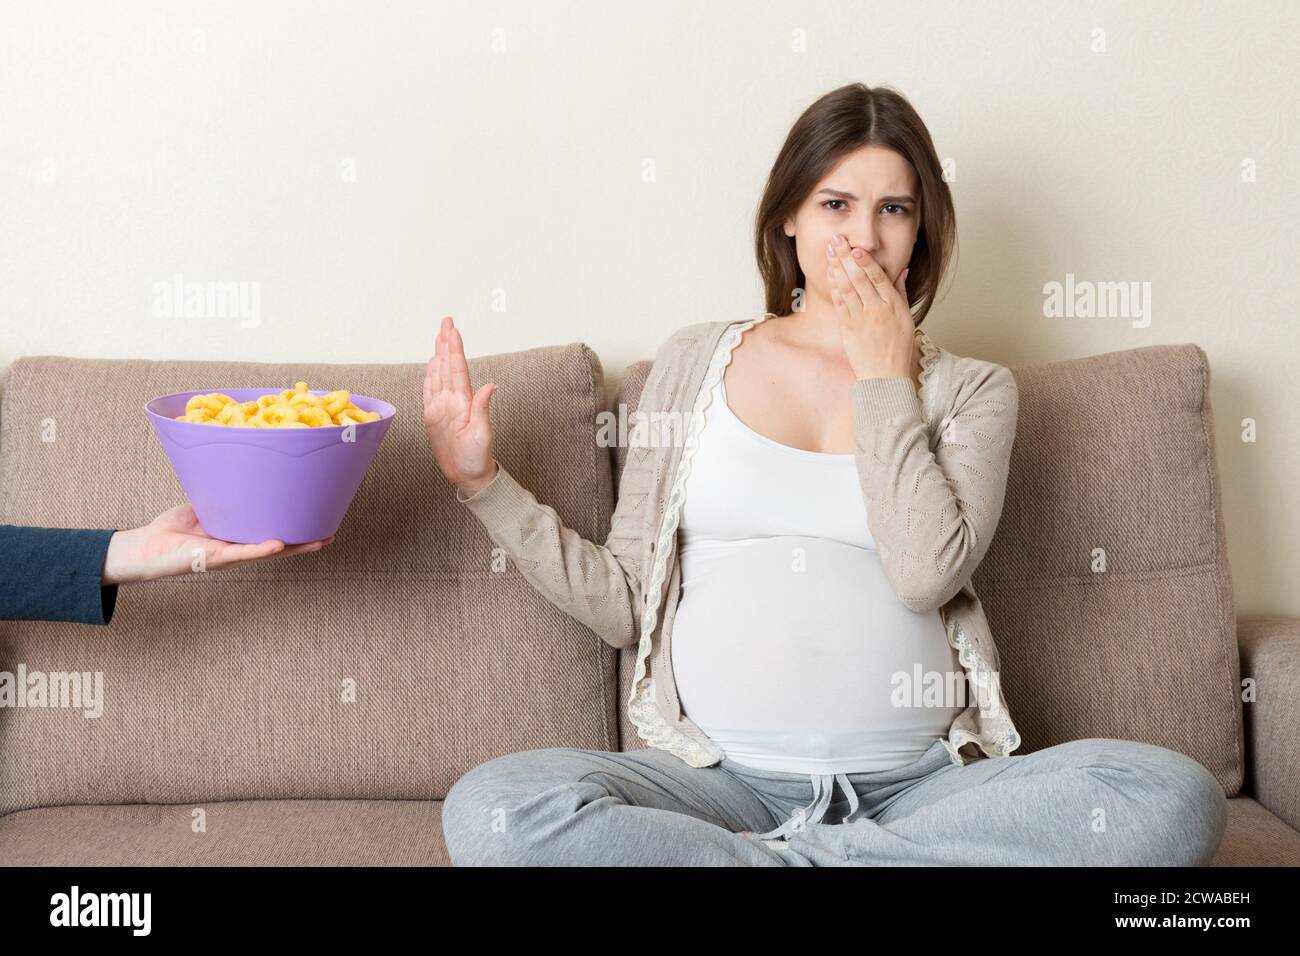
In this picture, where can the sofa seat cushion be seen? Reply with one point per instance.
(1256, 837)
(368, 833)
(241, 833)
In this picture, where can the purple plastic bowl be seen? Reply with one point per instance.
(249, 485)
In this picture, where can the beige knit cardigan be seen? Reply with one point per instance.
(933, 469)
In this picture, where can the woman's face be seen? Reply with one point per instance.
(871, 198)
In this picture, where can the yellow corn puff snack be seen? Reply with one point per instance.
(294, 407)
(314, 417)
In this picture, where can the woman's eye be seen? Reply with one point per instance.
(831, 201)
(902, 210)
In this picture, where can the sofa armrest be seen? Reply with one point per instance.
(1270, 653)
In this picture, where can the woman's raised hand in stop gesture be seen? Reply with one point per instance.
(456, 418)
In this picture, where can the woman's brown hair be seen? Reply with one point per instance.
(838, 123)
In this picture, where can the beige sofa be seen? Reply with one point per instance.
(226, 737)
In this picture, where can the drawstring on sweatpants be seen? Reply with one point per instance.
(823, 794)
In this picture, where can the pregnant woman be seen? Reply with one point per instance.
(794, 570)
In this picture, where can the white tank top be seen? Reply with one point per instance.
(790, 649)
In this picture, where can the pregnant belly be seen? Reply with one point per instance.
(794, 633)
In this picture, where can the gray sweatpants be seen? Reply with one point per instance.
(1090, 802)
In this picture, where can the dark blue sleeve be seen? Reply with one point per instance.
(55, 574)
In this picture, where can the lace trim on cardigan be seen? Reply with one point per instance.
(1005, 738)
(697, 750)
(929, 362)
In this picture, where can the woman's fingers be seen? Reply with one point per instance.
(459, 367)
(431, 370)
(857, 280)
(843, 292)
(444, 375)
(833, 276)
(843, 295)
(874, 273)
(855, 290)
(479, 407)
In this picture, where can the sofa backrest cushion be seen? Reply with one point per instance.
(233, 685)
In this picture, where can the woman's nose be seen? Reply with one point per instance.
(864, 237)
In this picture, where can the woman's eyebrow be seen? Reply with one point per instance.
(841, 194)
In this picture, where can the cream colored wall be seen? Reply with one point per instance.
(553, 172)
